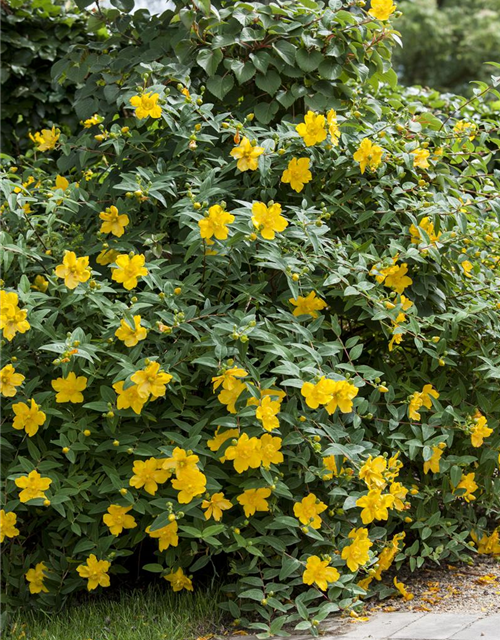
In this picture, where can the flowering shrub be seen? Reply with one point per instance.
(250, 313)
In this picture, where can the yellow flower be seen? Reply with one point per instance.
(117, 519)
(9, 380)
(35, 577)
(28, 418)
(215, 506)
(319, 393)
(33, 486)
(487, 545)
(420, 158)
(8, 523)
(368, 155)
(219, 438)
(312, 130)
(270, 450)
(215, 223)
(318, 572)
(151, 381)
(253, 500)
(421, 399)
(107, 256)
(46, 139)
(129, 270)
(357, 553)
(387, 555)
(40, 284)
(426, 225)
(70, 389)
(131, 336)
(179, 581)
(395, 277)
(247, 155)
(228, 379)
(308, 510)
(114, 222)
(342, 393)
(268, 219)
(129, 398)
(402, 590)
(308, 306)
(74, 270)
(467, 267)
(146, 105)
(61, 183)
(465, 129)
(297, 174)
(375, 506)
(468, 483)
(90, 122)
(245, 453)
(479, 432)
(181, 462)
(167, 536)
(330, 464)
(333, 127)
(382, 9)
(229, 397)
(95, 571)
(372, 472)
(148, 474)
(189, 485)
(433, 463)
(267, 411)
(398, 491)
(12, 318)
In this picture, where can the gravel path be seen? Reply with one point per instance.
(451, 588)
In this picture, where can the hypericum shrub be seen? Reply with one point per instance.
(251, 311)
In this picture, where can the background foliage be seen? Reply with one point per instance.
(447, 43)
(224, 73)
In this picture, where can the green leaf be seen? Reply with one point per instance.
(308, 60)
(153, 567)
(265, 111)
(270, 82)
(209, 60)
(220, 86)
(330, 69)
(286, 51)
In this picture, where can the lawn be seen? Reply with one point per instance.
(151, 614)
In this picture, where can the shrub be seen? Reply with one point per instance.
(250, 312)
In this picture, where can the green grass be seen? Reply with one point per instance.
(150, 614)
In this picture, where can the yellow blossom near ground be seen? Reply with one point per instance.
(244, 453)
(179, 581)
(35, 577)
(151, 381)
(402, 590)
(308, 510)
(356, 554)
(95, 572)
(267, 411)
(319, 573)
(479, 432)
(12, 318)
(117, 519)
(9, 381)
(421, 399)
(131, 336)
(149, 474)
(215, 505)
(433, 464)
(28, 417)
(69, 389)
(167, 536)
(469, 485)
